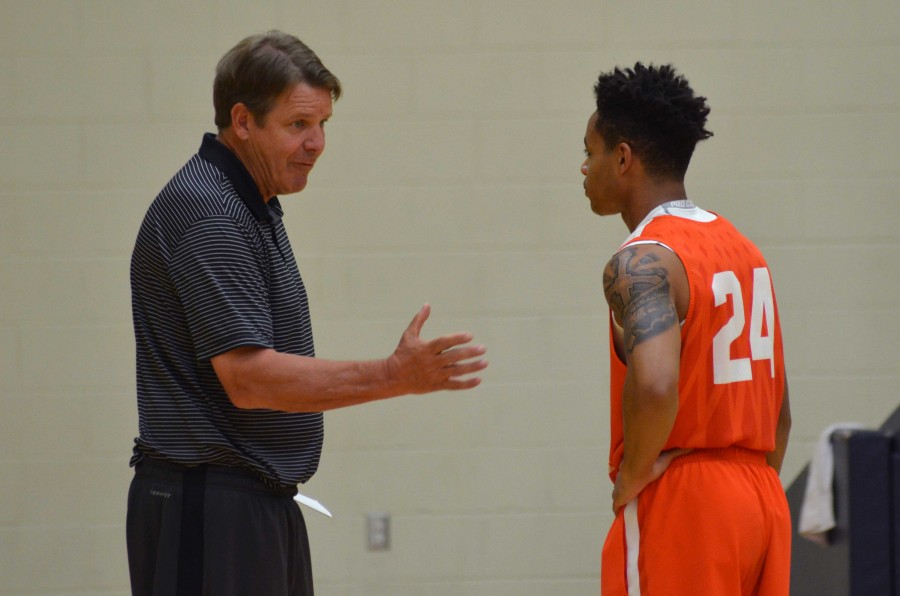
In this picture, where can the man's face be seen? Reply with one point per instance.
(599, 171)
(284, 148)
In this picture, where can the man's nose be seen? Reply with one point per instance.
(315, 142)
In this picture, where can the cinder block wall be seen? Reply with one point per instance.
(451, 176)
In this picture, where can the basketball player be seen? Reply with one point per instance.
(699, 404)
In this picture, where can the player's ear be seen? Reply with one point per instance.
(625, 155)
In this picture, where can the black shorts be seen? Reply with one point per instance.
(214, 531)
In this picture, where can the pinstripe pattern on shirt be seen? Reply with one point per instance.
(212, 270)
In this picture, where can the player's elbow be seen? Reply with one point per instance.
(659, 390)
(784, 415)
(784, 422)
(658, 398)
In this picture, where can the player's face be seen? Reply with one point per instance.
(284, 148)
(598, 169)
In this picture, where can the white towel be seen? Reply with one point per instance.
(817, 510)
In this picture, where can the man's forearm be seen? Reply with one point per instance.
(264, 378)
(255, 377)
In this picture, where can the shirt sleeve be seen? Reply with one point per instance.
(219, 273)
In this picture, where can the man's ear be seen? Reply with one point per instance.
(240, 120)
(626, 157)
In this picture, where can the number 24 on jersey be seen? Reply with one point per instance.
(725, 284)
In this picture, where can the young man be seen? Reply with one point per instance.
(699, 404)
(230, 394)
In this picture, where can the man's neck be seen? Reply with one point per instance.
(227, 138)
(650, 196)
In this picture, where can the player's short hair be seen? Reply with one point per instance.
(260, 68)
(655, 111)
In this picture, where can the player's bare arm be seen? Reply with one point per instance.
(642, 284)
(782, 431)
(636, 284)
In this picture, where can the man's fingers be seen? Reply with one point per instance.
(449, 357)
(457, 384)
(418, 321)
(446, 342)
(444, 362)
(465, 368)
(438, 344)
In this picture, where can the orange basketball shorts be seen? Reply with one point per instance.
(716, 523)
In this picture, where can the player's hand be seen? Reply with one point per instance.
(446, 362)
(626, 488)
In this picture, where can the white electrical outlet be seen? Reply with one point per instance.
(378, 531)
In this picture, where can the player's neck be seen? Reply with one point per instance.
(648, 197)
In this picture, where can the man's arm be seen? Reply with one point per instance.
(264, 378)
(643, 284)
(782, 431)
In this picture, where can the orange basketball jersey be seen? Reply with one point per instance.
(731, 380)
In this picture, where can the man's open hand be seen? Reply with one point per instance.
(419, 366)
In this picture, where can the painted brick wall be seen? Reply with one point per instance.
(451, 176)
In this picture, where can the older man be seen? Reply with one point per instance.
(230, 394)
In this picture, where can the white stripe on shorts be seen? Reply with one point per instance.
(632, 547)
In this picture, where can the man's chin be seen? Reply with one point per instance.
(599, 210)
(295, 187)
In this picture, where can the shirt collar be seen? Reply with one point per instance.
(683, 208)
(221, 156)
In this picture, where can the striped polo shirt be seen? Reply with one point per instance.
(212, 270)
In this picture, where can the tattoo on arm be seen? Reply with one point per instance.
(637, 290)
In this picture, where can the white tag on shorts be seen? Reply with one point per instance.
(312, 504)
